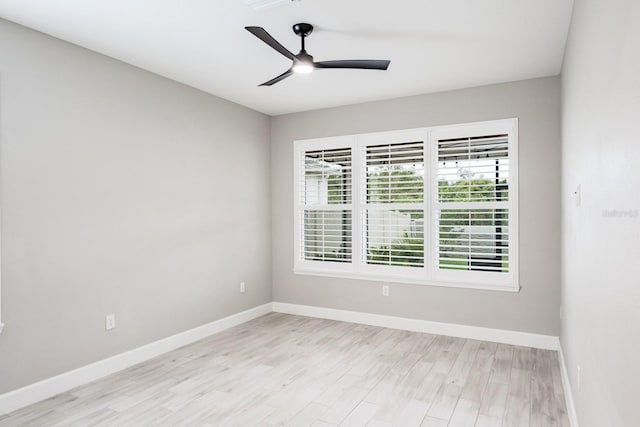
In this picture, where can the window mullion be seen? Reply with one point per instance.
(356, 204)
(430, 196)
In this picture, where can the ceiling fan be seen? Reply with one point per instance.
(303, 63)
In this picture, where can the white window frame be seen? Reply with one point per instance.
(428, 275)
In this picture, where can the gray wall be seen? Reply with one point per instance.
(536, 308)
(124, 193)
(601, 153)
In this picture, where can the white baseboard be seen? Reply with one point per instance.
(568, 394)
(60, 383)
(547, 342)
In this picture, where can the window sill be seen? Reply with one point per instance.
(513, 288)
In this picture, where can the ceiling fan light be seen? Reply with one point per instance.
(301, 67)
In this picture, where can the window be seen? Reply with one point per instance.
(474, 202)
(394, 204)
(327, 209)
(427, 206)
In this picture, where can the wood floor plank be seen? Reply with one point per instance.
(504, 352)
(429, 387)
(523, 358)
(486, 421)
(333, 392)
(294, 404)
(404, 365)
(308, 415)
(485, 357)
(361, 415)
(412, 414)
(520, 383)
(385, 387)
(494, 401)
(346, 402)
(556, 376)
(291, 370)
(500, 371)
(464, 363)
(413, 382)
(465, 413)
(518, 412)
(445, 401)
(475, 386)
(433, 422)
(379, 423)
(322, 424)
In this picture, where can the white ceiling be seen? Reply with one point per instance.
(433, 45)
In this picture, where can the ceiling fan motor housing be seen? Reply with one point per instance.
(303, 29)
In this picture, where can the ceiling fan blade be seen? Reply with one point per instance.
(277, 79)
(366, 64)
(262, 34)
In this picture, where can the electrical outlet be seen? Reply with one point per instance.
(242, 287)
(110, 322)
(385, 291)
(578, 379)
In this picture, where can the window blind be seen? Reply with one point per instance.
(327, 177)
(327, 235)
(393, 219)
(472, 217)
(395, 173)
(326, 216)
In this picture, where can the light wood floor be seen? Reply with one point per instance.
(290, 370)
